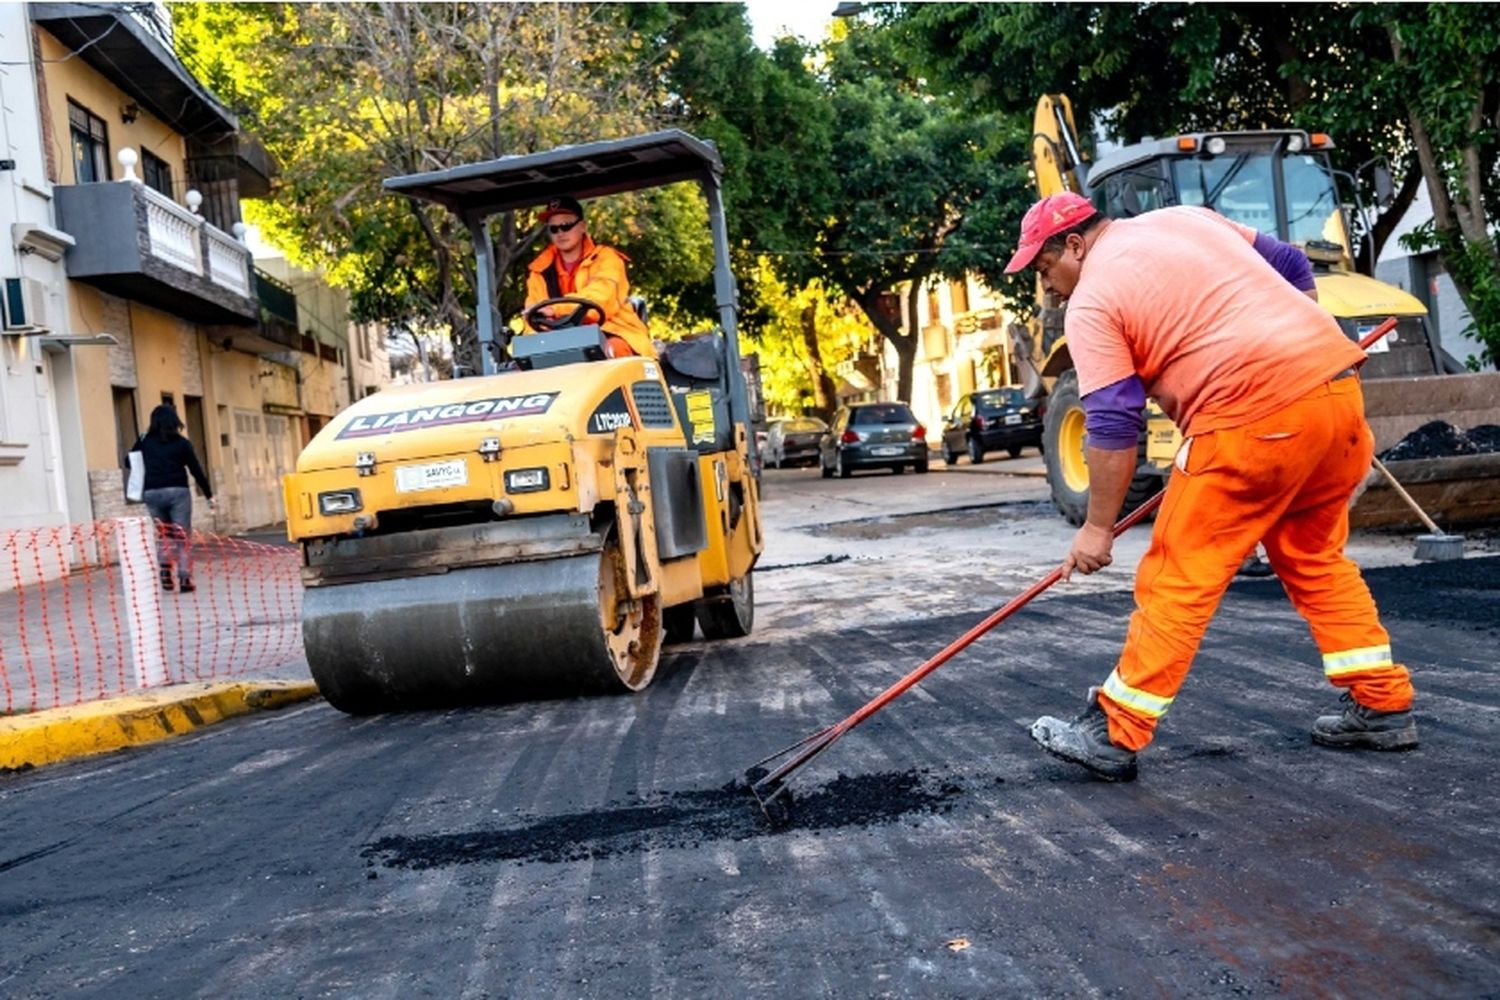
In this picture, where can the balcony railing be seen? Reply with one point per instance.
(136, 242)
(228, 260)
(172, 232)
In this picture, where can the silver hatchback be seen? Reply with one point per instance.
(873, 435)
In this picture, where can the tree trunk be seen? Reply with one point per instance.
(1385, 222)
(1457, 224)
(904, 343)
(825, 390)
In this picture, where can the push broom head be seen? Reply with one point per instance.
(1440, 547)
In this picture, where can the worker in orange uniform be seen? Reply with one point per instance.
(574, 265)
(1181, 305)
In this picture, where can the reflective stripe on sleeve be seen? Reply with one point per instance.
(1144, 702)
(1352, 661)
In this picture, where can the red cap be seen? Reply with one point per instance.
(1045, 220)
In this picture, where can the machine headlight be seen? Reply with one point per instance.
(339, 502)
(1294, 144)
(527, 480)
(1215, 146)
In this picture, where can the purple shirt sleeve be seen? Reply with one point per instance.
(1289, 262)
(1115, 415)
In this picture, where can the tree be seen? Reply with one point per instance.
(803, 333)
(345, 95)
(1444, 58)
(1155, 69)
(919, 192)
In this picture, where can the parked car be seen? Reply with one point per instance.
(794, 441)
(992, 419)
(870, 435)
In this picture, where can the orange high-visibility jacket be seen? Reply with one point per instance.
(599, 277)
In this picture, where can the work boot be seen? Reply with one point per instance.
(166, 578)
(1254, 566)
(1086, 741)
(1364, 728)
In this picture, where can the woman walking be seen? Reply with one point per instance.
(169, 457)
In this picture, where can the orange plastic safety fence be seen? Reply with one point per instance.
(73, 613)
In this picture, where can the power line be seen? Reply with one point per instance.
(880, 253)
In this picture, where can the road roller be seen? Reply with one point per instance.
(544, 527)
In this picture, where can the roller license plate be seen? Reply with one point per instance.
(885, 451)
(433, 476)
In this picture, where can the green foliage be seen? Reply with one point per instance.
(923, 188)
(344, 95)
(1143, 69)
(790, 369)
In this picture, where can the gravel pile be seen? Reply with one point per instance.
(1440, 439)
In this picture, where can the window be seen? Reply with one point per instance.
(90, 145)
(882, 413)
(127, 427)
(959, 291)
(156, 172)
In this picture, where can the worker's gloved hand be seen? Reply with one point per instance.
(1090, 552)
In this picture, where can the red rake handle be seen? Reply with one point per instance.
(1015, 604)
(821, 740)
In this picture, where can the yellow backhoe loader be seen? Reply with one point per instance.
(543, 528)
(1282, 183)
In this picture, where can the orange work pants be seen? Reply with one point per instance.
(1284, 480)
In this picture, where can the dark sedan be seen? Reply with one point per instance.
(794, 441)
(874, 435)
(990, 420)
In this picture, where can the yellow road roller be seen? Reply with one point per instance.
(544, 528)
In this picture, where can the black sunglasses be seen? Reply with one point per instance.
(562, 227)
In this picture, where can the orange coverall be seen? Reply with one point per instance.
(1276, 445)
(599, 277)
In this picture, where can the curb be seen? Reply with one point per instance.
(58, 734)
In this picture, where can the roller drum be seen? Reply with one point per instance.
(477, 634)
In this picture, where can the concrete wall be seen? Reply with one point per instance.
(76, 79)
(43, 482)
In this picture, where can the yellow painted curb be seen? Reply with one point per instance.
(57, 734)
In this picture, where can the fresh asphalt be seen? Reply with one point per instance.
(594, 848)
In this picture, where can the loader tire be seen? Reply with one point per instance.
(1063, 442)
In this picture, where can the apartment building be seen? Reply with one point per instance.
(964, 345)
(128, 284)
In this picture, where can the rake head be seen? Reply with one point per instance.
(773, 796)
(768, 785)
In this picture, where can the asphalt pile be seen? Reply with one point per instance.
(682, 819)
(1440, 439)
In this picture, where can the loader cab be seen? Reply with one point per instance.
(1280, 183)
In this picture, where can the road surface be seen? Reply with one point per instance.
(591, 848)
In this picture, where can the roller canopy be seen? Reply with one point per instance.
(592, 170)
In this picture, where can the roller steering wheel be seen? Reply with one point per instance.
(543, 323)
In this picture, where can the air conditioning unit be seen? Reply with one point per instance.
(25, 306)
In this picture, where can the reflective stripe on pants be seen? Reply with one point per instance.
(1284, 480)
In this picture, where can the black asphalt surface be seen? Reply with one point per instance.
(593, 848)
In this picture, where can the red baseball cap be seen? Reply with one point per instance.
(1045, 220)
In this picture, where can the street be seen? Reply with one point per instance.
(593, 847)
